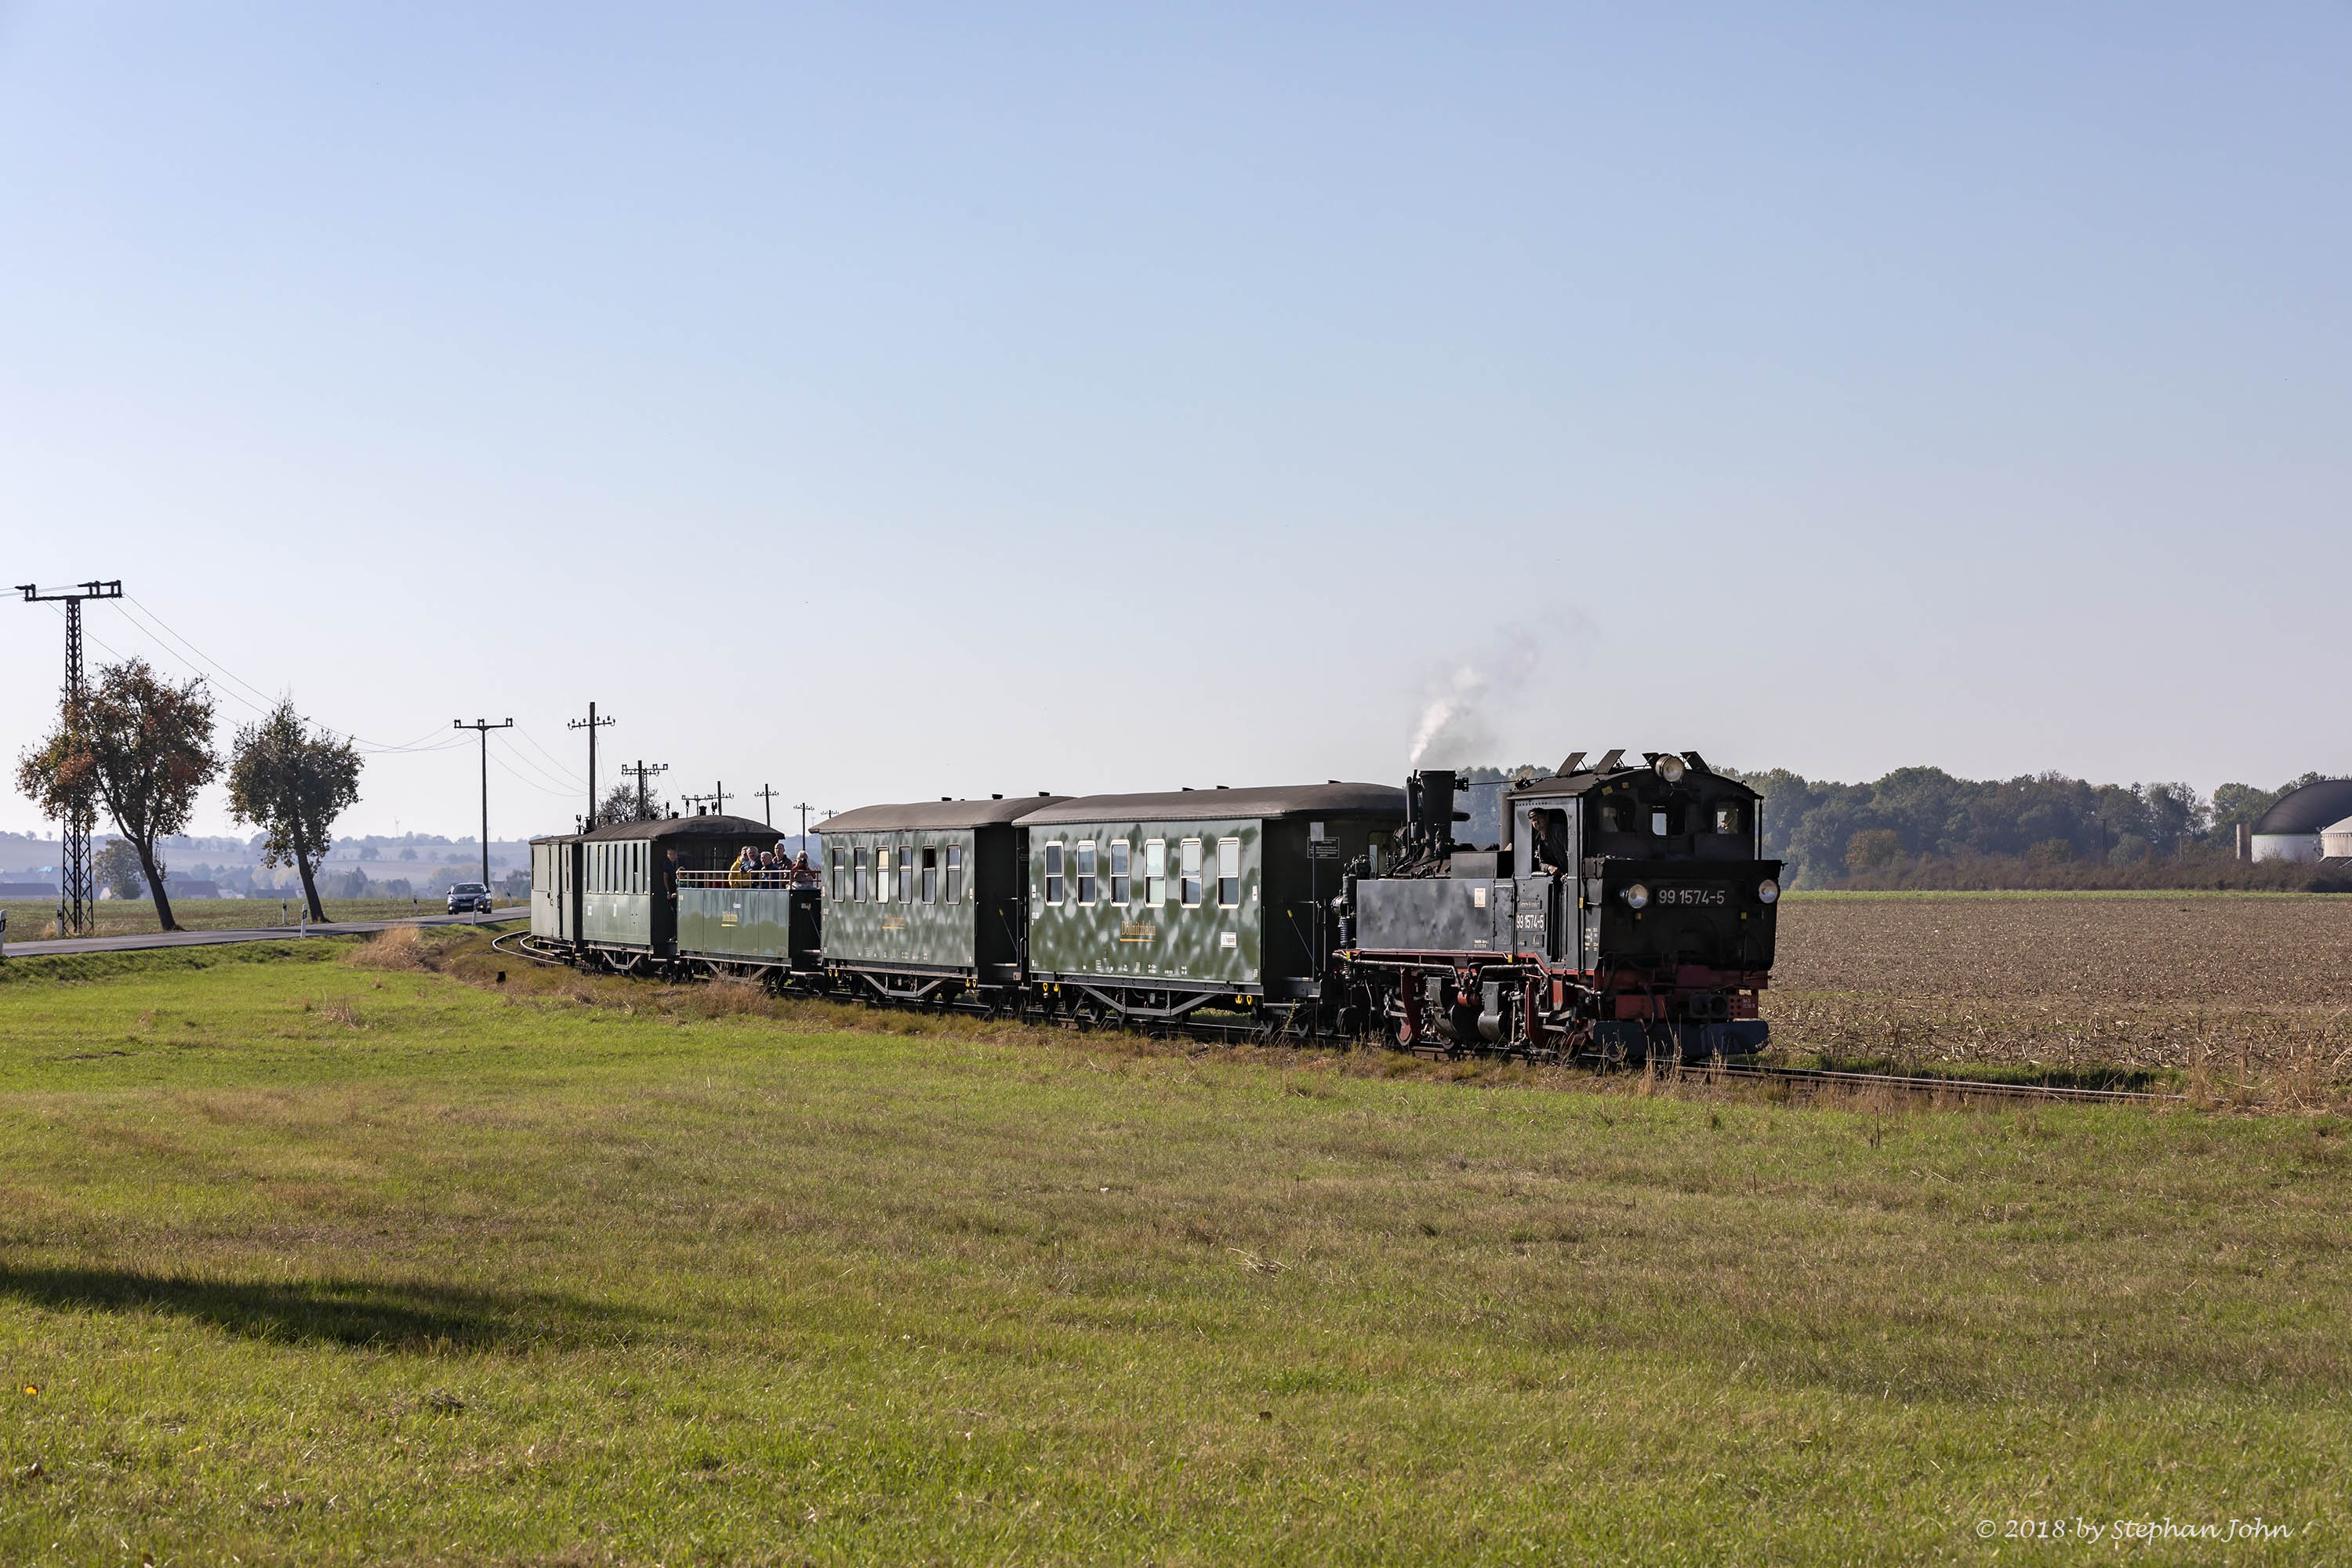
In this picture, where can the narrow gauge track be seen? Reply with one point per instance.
(518, 944)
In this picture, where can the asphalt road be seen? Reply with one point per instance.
(264, 933)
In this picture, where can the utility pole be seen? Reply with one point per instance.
(484, 727)
(803, 809)
(767, 793)
(641, 772)
(75, 897)
(719, 799)
(592, 724)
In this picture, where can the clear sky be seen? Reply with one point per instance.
(891, 402)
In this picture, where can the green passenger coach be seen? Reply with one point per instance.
(618, 885)
(924, 899)
(1152, 905)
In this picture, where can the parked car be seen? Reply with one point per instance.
(465, 897)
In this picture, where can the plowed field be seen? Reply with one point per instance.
(2240, 985)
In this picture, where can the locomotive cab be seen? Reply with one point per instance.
(1625, 912)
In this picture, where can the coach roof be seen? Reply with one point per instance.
(1220, 804)
(711, 825)
(933, 815)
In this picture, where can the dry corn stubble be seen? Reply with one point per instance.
(2237, 990)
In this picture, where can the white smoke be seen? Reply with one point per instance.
(1464, 700)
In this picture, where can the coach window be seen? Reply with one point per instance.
(930, 876)
(1085, 871)
(861, 884)
(1229, 872)
(1155, 871)
(955, 873)
(1188, 879)
(1122, 884)
(905, 873)
(1053, 873)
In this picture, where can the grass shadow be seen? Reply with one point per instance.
(370, 1313)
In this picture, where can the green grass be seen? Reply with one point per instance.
(309, 1262)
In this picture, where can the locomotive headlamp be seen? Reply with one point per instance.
(1637, 896)
(1670, 768)
(1768, 891)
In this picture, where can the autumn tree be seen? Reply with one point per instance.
(143, 747)
(623, 803)
(292, 782)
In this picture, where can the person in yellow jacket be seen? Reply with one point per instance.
(747, 861)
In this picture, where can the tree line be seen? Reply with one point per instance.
(142, 747)
(1923, 827)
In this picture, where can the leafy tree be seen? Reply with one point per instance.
(1873, 847)
(292, 783)
(620, 805)
(117, 869)
(143, 747)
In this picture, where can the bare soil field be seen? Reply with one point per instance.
(2236, 987)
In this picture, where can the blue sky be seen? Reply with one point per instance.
(884, 403)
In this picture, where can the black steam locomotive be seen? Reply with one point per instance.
(1624, 913)
(1621, 913)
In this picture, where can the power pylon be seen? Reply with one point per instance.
(592, 724)
(641, 772)
(484, 726)
(75, 894)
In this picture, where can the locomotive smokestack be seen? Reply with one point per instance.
(1429, 809)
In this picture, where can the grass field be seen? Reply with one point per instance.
(305, 1260)
(127, 917)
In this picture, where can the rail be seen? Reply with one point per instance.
(763, 878)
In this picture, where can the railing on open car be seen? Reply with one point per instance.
(764, 877)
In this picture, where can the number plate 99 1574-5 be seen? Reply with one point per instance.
(1693, 896)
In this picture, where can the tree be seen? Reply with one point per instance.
(116, 869)
(620, 805)
(143, 747)
(292, 783)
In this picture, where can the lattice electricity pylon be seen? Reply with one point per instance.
(77, 898)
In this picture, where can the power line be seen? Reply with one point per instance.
(225, 673)
(561, 765)
(563, 786)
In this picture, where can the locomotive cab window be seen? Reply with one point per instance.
(1155, 871)
(1053, 873)
(1086, 871)
(1229, 872)
(955, 873)
(1122, 883)
(1658, 828)
(1188, 879)
(930, 876)
(1728, 819)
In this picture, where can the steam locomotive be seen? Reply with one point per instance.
(1623, 912)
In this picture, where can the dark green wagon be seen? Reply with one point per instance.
(1149, 905)
(926, 899)
(614, 892)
